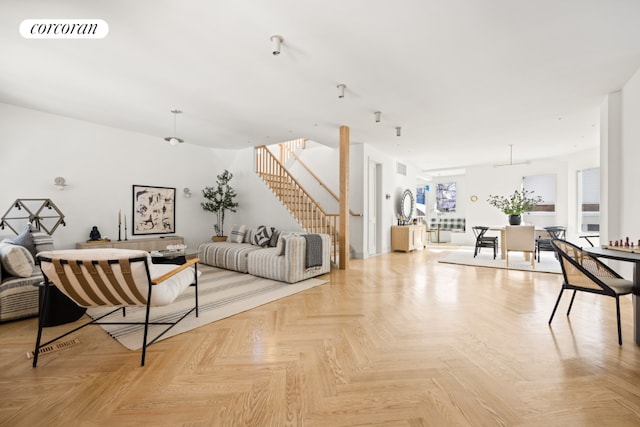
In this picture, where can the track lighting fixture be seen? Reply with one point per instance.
(377, 114)
(174, 140)
(398, 129)
(275, 44)
(341, 88)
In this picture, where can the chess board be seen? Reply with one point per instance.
(634, 250)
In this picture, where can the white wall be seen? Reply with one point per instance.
(100, 165)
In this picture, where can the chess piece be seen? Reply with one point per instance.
(94, 234)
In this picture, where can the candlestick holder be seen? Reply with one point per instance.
(119, 239)
(125, 233)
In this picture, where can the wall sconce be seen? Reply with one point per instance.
(377, 114)
(59, 182)
(187, 192)
(275, 44)
(341, 87)
(398, 131)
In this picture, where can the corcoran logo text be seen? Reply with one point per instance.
(64, 29)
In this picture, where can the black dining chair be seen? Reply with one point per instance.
(483, 241)
(544, 243)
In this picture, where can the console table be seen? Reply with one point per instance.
(146, 244)
(408, 237)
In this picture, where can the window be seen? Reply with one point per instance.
(545, 187)
(589, 200)
(446, 197)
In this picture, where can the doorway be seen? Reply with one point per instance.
(374, 222)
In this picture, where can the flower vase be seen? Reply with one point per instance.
(515, 219)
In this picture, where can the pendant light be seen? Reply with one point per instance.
(174, 140)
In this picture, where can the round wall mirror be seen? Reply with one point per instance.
(406, 205)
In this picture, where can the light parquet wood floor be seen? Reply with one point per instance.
(397, 340)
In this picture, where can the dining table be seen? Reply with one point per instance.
(627, 256)
(538, 232)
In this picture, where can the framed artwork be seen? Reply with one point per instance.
(154, 210)
(446, 197)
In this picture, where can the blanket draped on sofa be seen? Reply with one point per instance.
(313, 257)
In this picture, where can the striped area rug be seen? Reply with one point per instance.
(221, 293)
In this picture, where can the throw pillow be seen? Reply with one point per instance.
(273, 242)
(42, 240)
(262, 236)
(16, 259)
(237, 234)
(25, 240)
(282, 245)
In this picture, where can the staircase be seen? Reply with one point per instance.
(309, 214)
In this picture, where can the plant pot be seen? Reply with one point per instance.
(515, 219)
(219, 238)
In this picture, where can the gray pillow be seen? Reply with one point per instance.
(24, 239)
(274, 238)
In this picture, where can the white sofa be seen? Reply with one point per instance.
(282, 258)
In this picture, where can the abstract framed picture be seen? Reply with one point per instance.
(154, 210)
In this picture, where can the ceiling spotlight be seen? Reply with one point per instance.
(377, 114)
(174, 140)
(398, 129)
(341, 89)
(275, 44)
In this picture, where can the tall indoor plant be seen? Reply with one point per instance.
(220, 199)
(515, 205)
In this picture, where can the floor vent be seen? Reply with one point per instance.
(54, 347)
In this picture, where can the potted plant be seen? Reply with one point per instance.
(515, 205)
(220, 199)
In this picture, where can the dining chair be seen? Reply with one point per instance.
(117, 278)
(520, 238)
(584, 272)
(483, 241)
(543, 243)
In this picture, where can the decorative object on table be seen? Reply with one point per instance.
(515, 205)
(623, 245)
(407, 204)
(220, 199)
(94, 234)
(154, 210)
(43, 214)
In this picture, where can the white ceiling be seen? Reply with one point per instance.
(463, 78)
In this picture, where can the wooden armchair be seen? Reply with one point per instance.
(116, 278)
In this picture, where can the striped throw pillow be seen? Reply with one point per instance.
(237, 234)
